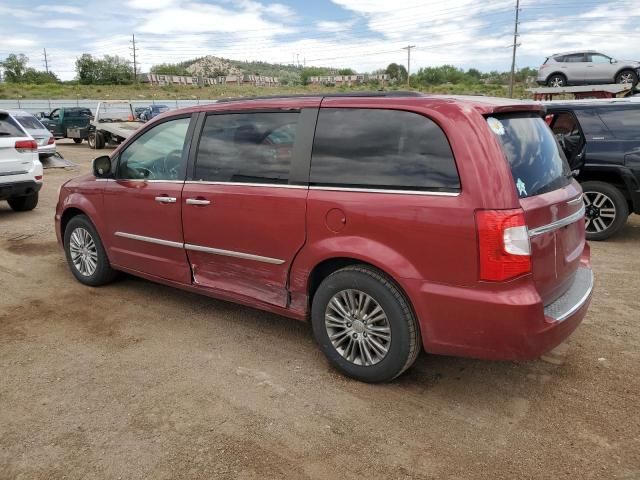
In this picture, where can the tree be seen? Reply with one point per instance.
(311, 72)
(346, 71)
(397, 72)
(109, 70)
(32, 75)
(14, 67)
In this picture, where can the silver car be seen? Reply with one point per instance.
(586, 68)
(44, 138)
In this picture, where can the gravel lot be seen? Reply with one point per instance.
(136, 380)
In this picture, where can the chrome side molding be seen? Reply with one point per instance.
(200, 248)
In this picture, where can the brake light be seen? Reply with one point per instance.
(51, 141)
(26, 145)
(503, 244)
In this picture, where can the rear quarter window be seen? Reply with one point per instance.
(9, 127)
(381, 149)
(623, 123)
(534, 156)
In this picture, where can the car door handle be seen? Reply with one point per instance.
(197, 201)
(165, 199)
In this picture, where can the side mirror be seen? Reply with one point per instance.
(613, 60)
(101, 166)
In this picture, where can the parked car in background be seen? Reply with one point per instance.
(392, 221)
(68, 122)
(601, 140)
(20, 168)
(138, 111)
(45, 139)
(586, 68)
(153, 111)
(114, 122)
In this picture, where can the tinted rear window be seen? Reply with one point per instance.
(381, 149)
(30, 122)
(537, 163)
(624, 123)
(9, 128)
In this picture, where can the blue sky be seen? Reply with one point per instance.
(362, 34)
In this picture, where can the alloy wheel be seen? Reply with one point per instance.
(358, 327)
(600, 212)
(557, 82)
(626, 78)
(84, 253)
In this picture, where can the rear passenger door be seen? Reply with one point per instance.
(245, 203)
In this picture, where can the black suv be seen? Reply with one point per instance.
(601, 140)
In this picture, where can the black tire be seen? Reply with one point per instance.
(601, 198)
(99, 140)
(24, 204)
(557, 80)
(404, 344)
(103, 273)
(77, 140)
(627, 76)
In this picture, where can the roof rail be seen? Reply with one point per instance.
(391, 93)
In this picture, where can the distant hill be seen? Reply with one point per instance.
(211, 66)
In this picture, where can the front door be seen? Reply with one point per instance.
(599, 69)
(143, 203)
(243, 219)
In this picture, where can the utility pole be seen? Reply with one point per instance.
(515, 46)
(408, 49)
(46, 63)
(135, 64)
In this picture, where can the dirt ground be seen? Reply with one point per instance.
(140, 381)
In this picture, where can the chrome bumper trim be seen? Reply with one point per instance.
(574, 298)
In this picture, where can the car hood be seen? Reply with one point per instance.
(633, 63)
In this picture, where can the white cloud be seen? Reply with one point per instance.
(62, 24)
(331, 26)
(60, 9)
(150, 4)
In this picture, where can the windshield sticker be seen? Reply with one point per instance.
(522, 188)
(496, 126)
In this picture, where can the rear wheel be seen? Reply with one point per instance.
(85, 253)
(557, 80)
(24, 204)
(364, 324)
(77, 140)
(606, 210)
(627, 77)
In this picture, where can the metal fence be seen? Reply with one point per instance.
(44, 105)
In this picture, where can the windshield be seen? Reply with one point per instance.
(537, 163)
(30, 122)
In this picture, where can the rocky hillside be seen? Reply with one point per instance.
(211, 66)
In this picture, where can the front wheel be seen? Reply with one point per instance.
(627, 77)
(606, 210)
(85, 253)
(364, 325)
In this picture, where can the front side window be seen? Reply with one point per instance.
(381, 149)
(247, 147)
(624, 123)
(157, 154)
(597, 58)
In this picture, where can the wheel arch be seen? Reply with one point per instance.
(625, 69)
(546, 80)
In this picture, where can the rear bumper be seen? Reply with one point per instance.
(47, 150)
(500, 322)
(18, 189)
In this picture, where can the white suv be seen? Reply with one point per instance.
(20, 169)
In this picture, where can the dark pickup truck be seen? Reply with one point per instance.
(72, 122)
(601, 140)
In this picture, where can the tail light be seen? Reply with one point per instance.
(51, 140)
(26, 145)
(503, 244)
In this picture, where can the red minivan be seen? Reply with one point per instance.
(392, 221)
